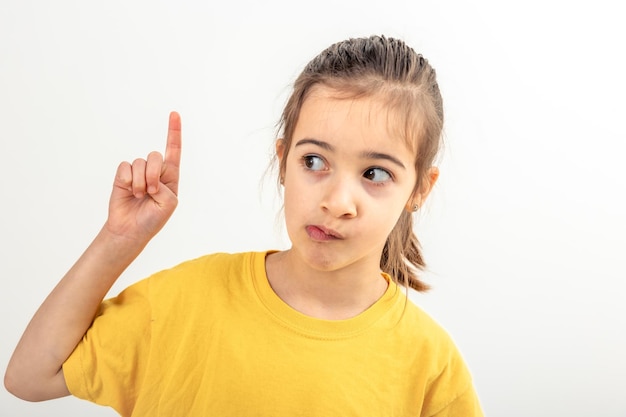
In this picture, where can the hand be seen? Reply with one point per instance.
(145, 193)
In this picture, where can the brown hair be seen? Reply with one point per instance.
(390, 69)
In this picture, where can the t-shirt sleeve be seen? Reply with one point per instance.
(108, 365)
(452, 393)
(465, 405)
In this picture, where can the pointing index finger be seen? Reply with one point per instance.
(171, 163)
(174, 141)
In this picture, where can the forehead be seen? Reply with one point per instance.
(338, 115)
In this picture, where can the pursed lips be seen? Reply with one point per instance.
(321, 233)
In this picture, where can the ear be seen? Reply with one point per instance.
(423, 190)
(280, 153)
(280, 149)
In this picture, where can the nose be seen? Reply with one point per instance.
(340, 198)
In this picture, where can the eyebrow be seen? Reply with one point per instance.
(321, 144)
(365, 154)
(378, 155)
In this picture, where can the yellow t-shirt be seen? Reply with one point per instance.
(211, 338)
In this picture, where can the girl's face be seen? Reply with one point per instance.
(347, 179)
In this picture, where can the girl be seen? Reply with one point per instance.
(320, 329)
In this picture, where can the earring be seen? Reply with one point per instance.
(415, 207)
(282, 181)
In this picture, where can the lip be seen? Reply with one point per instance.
(321, 233)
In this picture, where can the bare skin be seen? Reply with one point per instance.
(340, 197)
(346, 182)
(144, 196)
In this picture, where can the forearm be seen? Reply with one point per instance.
(64, 317)
(144, 195)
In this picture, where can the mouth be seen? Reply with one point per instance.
(321, 233)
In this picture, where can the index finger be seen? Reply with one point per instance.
(174, 141)
(171, 162)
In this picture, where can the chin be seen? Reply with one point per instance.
(322, 260)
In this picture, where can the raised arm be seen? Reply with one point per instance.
(144, 196)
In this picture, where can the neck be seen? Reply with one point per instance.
(332, 295)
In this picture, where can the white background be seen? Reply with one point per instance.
(524, 234)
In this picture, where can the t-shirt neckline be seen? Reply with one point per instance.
(315, 327)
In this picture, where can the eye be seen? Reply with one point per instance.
(313, 162)
(377, 175)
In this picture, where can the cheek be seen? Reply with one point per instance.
(387, 225)
(294, 200)
(388, 214)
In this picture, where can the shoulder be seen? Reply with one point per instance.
(434, 338)
(421, 328)
(211, 266)
(450, 385)
(206, 274)
(198, 287)
(213, 260)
